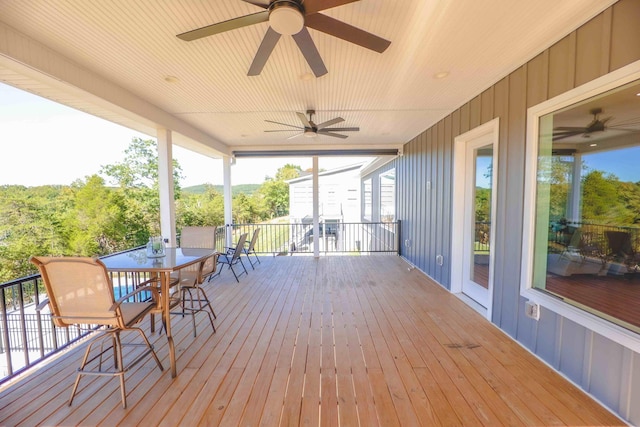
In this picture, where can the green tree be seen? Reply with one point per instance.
(243, 209)
(200, 209)
(137, 180)
(287, 172)
(31, 223)
(273, 195)
(597, 190)
(139, 169)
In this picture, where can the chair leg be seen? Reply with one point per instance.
(117, 362)
(80, 369)
(234, 273)
(206, 299)
(246, 253)
(120, 369)
(245, 269)
(203, 298)
(197, 304)
(150, 347)
(191, 309)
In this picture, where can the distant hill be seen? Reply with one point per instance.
(247, 189)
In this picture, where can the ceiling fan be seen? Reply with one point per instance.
(311, 130)
(596, 125)
(292, 17)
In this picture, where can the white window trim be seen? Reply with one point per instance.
(597, 324)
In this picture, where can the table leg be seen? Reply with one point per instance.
(166, 309)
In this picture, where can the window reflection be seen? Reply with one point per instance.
(587, 243)
(388, 196)
(366, 195)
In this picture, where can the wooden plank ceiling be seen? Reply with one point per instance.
(392, 96)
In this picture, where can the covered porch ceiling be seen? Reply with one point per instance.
(121, 60)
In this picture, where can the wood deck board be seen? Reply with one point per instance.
(517, 366)
(333, 341)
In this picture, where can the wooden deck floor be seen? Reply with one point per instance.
(337, 341)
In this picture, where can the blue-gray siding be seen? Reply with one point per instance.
(608, 371)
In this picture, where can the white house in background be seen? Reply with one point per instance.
(338, 194)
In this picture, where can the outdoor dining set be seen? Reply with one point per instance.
(80, 293)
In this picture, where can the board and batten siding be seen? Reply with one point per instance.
(611, 40)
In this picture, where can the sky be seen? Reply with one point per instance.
(46, 143)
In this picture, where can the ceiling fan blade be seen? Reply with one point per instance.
(264, 51)
(330, 122)
(335, 135)
(558, 134)
(304, 120)
(315, 6)
(624, 129)
(258, 3)
(347, 32)
(284, 124)
(570, 128)
(630, 122)
(284, 130)
(295, 136)
(565, 135)
(220, 27)
(310, 52)
(340, 130)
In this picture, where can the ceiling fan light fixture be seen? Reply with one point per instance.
(309, 133)
(286, 18)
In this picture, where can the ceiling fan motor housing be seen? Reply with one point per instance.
(286, 17)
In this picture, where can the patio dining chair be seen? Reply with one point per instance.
(232, 257)
(193, 298)
(621, 250)
(80, 292)
(249, 249)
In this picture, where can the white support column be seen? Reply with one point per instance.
(228, 199)
(316, 209)
(574, 211)
(165, 184)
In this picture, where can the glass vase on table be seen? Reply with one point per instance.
(156, 247)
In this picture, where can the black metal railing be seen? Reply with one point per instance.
(594, 235)
(28, 336)
(334, 237)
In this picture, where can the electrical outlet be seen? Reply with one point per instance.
(439, 260)
(532, 310)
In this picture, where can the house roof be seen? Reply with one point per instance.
(122, 61)
(306, 176)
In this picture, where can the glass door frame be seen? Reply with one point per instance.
(489, 134)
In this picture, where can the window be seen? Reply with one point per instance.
(388, 196)
(583, 195)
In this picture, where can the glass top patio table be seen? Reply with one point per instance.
(161, 267)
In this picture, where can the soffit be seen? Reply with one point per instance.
(391, 96)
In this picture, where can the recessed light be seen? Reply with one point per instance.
(441, 75)
(593, 145)
(306, 76)
(638, 94)
(171, 79)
